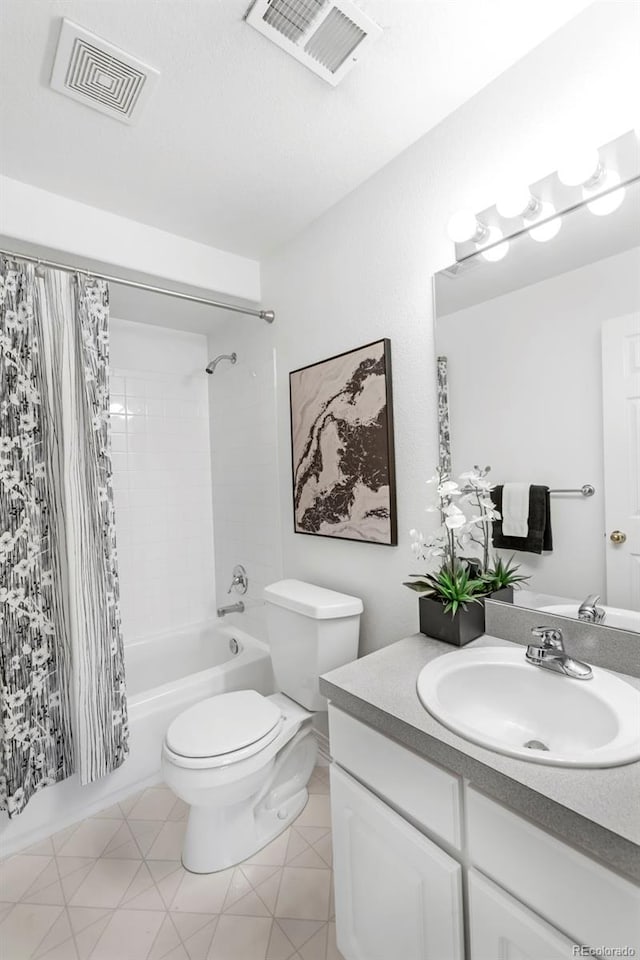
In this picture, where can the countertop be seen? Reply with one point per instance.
(596, 810)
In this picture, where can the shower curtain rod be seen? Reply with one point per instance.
(267, 315)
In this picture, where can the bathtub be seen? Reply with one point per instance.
(165, 674)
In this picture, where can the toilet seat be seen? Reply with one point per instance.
(223, 729)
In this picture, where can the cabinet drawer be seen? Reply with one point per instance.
(587, 901)
(500, 928)
(427, 794)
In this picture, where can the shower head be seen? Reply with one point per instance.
(210, 367)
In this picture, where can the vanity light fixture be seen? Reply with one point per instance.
(493, 254)
(610, 201)
(582, 168)
(465, 226)
(517, 201)
(549, 229)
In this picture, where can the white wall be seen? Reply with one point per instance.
(364, 270)
(525, 379)
(161, 478)
(46, 220)
(244, 465)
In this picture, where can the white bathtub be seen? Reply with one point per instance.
(165, 674)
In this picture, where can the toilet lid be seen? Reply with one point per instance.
(222, 724)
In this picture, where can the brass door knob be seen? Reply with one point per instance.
(618, 536)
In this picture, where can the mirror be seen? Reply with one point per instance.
(543, 375)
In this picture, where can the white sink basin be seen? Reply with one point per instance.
(494, 697)
(614, 616)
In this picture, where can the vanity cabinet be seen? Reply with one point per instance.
(409, 835)
(397, 894)
(501, 928)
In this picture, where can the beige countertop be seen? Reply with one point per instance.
(596, 810)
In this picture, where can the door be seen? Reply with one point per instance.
(397, 894)
(621, 415)
(501, 928)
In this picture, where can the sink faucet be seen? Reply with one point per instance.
(550, 653)
(231, 608)
(589, 611)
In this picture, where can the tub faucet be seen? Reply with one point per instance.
(589, 611)
(551, 655)
(231, 608)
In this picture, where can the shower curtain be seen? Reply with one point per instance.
(62, 694)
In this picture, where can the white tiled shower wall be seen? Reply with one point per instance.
(245, 484)
(162, 478)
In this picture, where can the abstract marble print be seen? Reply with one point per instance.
(342, 446)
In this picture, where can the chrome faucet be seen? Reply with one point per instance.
(231, 608)
(550, 653)
(589, 611)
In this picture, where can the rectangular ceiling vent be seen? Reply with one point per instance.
(327, 36)
(94, 72)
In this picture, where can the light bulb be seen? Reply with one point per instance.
(581, 166)
(601, 206)
(546, 231)
(464, 226)
(499, 251)
(516, 201)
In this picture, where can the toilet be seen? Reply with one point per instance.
(242, 761)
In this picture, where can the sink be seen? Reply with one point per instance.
(614, 616)
(494, 697)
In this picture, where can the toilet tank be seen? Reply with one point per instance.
(311, 630)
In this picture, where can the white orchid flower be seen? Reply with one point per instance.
(455, 521)
(452, 510)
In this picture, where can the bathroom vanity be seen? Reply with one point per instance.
(445, 850)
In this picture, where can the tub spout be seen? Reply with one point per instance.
(231, 608)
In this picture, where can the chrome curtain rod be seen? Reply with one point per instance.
(267, 315)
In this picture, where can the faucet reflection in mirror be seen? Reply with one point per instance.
(451, 602)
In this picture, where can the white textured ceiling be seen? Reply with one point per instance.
(241, 146)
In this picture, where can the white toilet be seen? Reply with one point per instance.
(242, 761)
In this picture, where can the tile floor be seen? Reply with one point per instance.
(113, 888)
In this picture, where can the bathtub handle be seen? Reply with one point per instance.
(240, 582)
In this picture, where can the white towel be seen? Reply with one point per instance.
(515, 510)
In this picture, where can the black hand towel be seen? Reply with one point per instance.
(539, 520)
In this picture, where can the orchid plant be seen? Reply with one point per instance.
(467, 513)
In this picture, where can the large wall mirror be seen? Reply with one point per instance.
(543, 366)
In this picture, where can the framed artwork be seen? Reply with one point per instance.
(342, 446)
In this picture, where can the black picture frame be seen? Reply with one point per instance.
(367, 447)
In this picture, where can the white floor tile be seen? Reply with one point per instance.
(202, 893)
(168, 843)
(18, 874)
(156, 803)
(317, 812)
(90, 839)
(129, 935)
(105, 883)
(240, 938)
(24, 928)
(304, 894)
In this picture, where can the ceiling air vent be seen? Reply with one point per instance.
(94, 72)
(327, 36)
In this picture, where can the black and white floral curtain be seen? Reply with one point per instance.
(62, 695)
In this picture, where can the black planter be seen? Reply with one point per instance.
(463, 627)
(505, 595)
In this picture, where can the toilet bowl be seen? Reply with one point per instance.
(242, 761)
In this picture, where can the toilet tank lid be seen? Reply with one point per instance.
(312, 601)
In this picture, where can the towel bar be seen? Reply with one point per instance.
(587, 490)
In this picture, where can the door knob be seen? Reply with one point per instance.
(618, 536)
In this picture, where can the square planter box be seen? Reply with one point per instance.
(465, 626)
(505, 595)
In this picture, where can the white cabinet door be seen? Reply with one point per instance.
(398, 896)
(501, 928)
